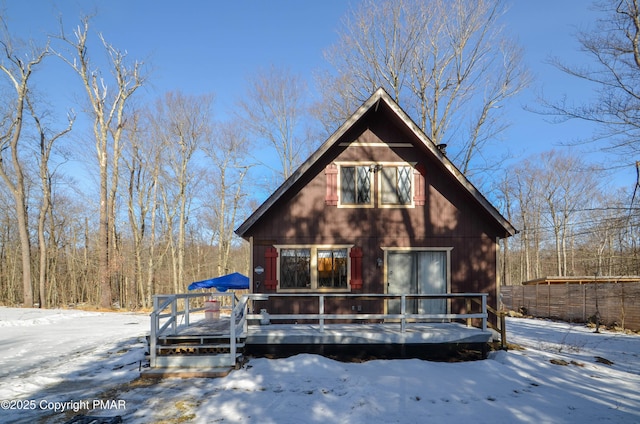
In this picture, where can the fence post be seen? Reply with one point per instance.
(548, 299)
(622, 304)
(468, 306)
(584, 302)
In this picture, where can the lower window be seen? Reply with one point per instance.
(332, 268)
(295, 268)
(313, 267)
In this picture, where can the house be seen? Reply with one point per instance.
(378, 208)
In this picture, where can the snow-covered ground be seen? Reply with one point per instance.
(88, 363)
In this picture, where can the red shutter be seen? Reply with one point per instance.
(271, 268)
(356, 268)
(419, 189)
(331, 171)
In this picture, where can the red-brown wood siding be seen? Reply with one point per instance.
(449, 218)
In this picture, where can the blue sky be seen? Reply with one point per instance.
(204, 46)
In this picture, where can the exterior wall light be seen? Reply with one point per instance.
(375, 167)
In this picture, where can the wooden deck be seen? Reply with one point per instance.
(353, 334)
(359, 333)
(423, 340)
(383, 333)
(187, 340)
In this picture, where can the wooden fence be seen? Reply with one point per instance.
(618, 303)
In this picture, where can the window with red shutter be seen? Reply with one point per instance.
(271, 268)
(331, 172)
(419, 193)
(356, 268)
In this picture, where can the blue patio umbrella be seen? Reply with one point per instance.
(234, 281)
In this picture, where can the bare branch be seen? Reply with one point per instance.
(443, 61)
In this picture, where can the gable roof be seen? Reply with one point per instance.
(380, 95)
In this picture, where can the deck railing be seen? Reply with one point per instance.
(180, 307)
(167, 312)
(403, 317)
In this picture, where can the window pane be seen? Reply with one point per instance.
(404, 184)
(295, 268)
(355, 185)
(332, 268)
(364, 185)
(396, 185)
(388, 184)
(348, 184)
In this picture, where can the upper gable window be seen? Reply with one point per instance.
(395, 185)
(355, 185)
(369, 185)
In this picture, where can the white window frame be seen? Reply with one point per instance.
(386, 250)
(314, 267)
(411, 203)
(376, 184)
(445, 249)
(371, 203)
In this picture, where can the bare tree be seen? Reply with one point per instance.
(18, 67)
(45, 148)
(569, 185)
(553, 197)
(613, 45)
(522, 185)
(228, 151)
(143, 160)
(107, 107)
(446, 62)
(182, 123)
(275, 110)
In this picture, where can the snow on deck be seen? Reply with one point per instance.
(360, 333)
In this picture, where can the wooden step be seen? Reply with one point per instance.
(200, 346)
(196, 349)
(198, 361)
(158, 373)
(193, 337)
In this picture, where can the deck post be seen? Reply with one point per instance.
(321, 312)
(468, 306)
(153, 333)
(403, 311)
(484, 312)
(232, 334)
(152, 342)
(247, 310)
(503, 331)
(186, 311)
(174, 313)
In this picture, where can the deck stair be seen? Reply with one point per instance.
(186, 350)
(183, 339)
